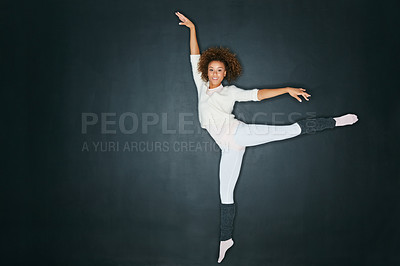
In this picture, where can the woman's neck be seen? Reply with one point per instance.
(211, 87)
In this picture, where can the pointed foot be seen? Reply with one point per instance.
(223, 248)
(345, 120)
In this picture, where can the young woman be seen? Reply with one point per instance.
(215, 105)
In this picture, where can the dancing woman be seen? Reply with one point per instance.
(215, 106)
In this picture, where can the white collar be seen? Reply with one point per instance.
(211, 91)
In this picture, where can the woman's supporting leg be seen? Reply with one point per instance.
(230, 164)
(229, 169)
(227, 218)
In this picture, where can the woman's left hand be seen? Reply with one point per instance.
(294, 92)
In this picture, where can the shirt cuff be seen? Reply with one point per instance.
(255, 98)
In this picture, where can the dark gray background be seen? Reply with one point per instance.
(326, 199)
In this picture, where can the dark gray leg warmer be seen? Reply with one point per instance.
(312, 125)
(227, 217)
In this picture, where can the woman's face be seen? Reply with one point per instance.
(216, 73)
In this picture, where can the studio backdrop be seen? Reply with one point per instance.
(106, 162)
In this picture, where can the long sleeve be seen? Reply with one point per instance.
(241, 95)
(194, 60)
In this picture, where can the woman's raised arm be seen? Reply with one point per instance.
(194, 47)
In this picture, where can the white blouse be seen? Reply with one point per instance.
(215, 106)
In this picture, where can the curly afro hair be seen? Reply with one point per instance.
(232, 65)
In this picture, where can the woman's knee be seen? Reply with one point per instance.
(227, 201)
(296, 128)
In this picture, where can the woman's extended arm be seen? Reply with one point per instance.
(194, 47)
(269, 93)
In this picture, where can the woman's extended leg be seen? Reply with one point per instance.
(229, 169)
(256, 134)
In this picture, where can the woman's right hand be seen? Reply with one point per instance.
(185, 20)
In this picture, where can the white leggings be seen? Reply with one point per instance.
(233, 145)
